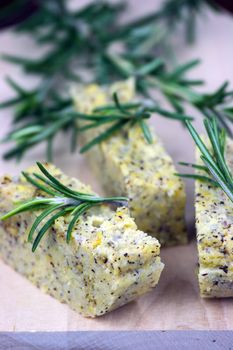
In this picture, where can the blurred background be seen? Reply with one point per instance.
(16, 11)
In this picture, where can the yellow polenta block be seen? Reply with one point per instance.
(214, 223)
(108, 262)
(126, 164)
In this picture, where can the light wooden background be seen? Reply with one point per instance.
(175, 303)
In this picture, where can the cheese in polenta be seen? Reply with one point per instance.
(126, 164)
(107, 263)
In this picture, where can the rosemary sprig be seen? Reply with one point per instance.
(79, 43)
(120, 115)
(215, 169)
(62, 200)
(114, 117)
(177, 89)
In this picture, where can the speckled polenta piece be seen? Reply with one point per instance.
(126, 164)
(107, 263)
(214, 223)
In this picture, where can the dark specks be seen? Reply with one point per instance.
(130, 262)
(224, 268)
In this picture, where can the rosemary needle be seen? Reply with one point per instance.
(62, 200)
(215, 168)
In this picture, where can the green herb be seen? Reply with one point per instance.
(62, 201)
(179, 90)
(215, 169)
(116, 115)
(81, 47)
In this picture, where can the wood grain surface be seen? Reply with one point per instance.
(175, 303)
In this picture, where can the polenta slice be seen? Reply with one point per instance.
(107, 263)
(126, 164)
(214, 224)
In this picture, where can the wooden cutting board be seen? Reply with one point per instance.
(175, 303)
